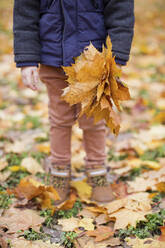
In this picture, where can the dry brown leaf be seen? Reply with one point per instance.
(97, 209)
(23, 243)
(140, 184)
(86, 223)
(87, 214)
(69, 203)
(111, 242)
(96, 89)
(125, 217)
(69, 225)
(15, 219)
(161, 187)
(137, 202)
(29, 188)
(72, 224)
(101, 233)
(102, 219)
(162, 236)
(26, 190)
(145, 243)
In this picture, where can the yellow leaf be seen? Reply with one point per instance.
(87, 224)
(15, 168)
(44, 147)
(93, 82)
(84, 190)
(151, 164)
(161, 187)
(125, 217)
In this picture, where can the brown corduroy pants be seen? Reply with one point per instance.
(62, 117)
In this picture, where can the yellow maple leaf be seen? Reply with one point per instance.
(94, 82)
(84, 190)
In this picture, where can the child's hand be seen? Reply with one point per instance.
(30, 77)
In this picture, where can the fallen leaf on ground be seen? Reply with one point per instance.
(125, 217)
(87, 214)
(69, 203)
(44, 147)
(102, 219)
(23, 243)
(71, 224)
(97, 209)
(86, 223)
(84, 190)
(145, 243)
(16, 219)
(162, 236)
(140, 184)
(101, 233)
(31, 165)
(29, 188)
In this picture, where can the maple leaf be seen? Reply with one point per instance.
(94, 82)
(144, 243)
(101, 233)
(16, 219)
(84, 190)
(19, 243)
(68, 204)
(29, 188)
(126, 217)
(73, 223)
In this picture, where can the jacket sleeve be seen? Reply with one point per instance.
(119, 22)
(26, 31)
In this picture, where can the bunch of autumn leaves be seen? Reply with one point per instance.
(94, 82)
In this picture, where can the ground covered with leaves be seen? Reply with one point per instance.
(135, 159)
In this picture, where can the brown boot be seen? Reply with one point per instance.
(60, 179)
(101, 188)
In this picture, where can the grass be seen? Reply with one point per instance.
(5, 200)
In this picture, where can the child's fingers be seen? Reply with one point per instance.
(28, 77)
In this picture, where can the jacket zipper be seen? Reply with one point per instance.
(95, 3)
(50, 2)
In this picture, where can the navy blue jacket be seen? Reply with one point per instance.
(53, 32)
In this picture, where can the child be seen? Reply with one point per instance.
(52, 33)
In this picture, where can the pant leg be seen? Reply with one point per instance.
(61, 115)
(94, 137)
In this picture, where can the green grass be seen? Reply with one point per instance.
(112, 157)
(145, 229)
(33, 235)
(133, 173)
(153, 155)
(5, 200)
(68, 239)
(70, 212)
(33, 120)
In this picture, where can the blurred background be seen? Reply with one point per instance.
(23, 113)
